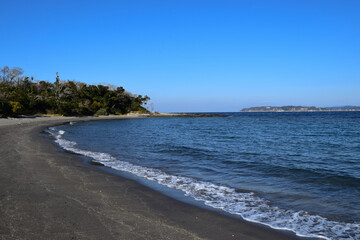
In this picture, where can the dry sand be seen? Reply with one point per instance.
(48, 194)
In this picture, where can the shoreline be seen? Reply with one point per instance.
(40, 118)
(47, 193)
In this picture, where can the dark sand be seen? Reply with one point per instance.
(48, 194)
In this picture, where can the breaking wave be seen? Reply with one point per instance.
(245, 204)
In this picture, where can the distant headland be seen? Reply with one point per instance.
(299, 109)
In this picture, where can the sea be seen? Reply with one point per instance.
(293, 171)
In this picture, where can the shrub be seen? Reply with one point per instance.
(101, 112)
(95, 106)
(67, 109)
(5, 108)
(17, 107)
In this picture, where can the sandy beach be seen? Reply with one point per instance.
(48, 194)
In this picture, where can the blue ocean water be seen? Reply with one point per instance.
(295, 171)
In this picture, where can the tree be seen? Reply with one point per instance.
(5, 74)
(21, 95)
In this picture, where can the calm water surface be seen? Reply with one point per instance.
(297, 171)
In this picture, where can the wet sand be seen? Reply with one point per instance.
(48, 194)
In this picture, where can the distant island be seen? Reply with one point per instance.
(299, 109)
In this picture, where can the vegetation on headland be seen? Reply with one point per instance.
(22, 95)
(299, 109)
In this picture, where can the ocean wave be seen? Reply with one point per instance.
(245, 204)
(308, 175)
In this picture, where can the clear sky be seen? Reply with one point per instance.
(192, 55)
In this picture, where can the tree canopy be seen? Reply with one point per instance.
(21, 95)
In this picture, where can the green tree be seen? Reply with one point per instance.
(21, 95)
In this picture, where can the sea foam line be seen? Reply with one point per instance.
(247, 205)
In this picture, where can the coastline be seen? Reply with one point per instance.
(46, 193)
(298, 111)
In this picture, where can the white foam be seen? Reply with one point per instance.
(247, 205)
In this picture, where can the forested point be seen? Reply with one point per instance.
(22, 95)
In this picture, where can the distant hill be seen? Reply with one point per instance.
(299, 109)
(21, 95)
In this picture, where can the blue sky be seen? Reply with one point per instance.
(190, 56)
